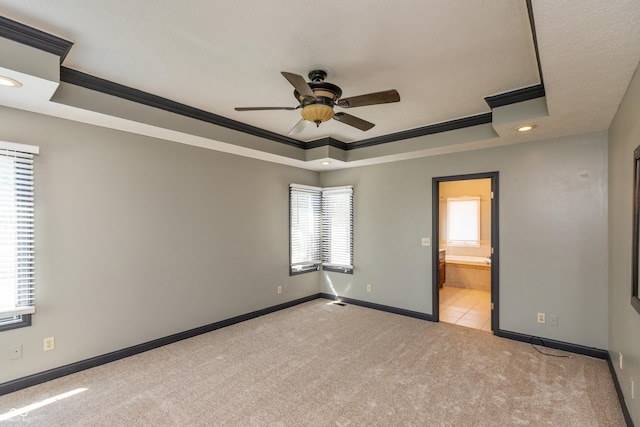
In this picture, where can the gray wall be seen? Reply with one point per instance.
(624, 321)
(553, 233)
(139, 238)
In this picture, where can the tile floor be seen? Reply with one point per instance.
(465, 307)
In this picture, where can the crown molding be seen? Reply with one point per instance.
(29, 36)
(88, 81)
(328, 141)
(515, 96)
(479, 119)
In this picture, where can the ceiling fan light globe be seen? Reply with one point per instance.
(317, 113)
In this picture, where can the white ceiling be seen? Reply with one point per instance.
(444, 58)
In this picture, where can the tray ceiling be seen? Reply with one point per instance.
(443, 58)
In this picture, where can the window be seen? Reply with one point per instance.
(16, 235)
(305, 230)
(463, 221)
(321, 228)
(635, 258)
(337, 229)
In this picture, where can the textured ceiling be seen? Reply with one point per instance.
(444, 58)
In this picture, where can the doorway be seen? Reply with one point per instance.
(465, 250)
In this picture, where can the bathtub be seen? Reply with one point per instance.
(468, 272)
(471, 260)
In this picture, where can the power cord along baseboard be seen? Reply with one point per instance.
(545, 346)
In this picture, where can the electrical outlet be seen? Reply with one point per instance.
(553, 320)
(541, 318)
(368, 287)
(49, 344)
(279, 290)
(426, 241)
(620, 360)
(16, 352)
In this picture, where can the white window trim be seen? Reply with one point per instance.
(14, 146)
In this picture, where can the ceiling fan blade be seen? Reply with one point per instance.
(383, 97)
(353, 121)
(299, 83)
(265, 108)
(299, 127)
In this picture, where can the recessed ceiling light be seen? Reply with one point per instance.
(526, 128)
(325, 163)
(7, 82)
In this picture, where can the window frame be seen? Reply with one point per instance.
(21, 321)
(306, 266)
(329, 196)
(320, 216)
(635, 251)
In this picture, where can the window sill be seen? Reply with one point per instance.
(635, 302)
(310, 269)
(344, 270)
(23, 322)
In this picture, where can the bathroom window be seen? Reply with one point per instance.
(463, 221)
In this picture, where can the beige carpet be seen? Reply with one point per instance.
(319, 364)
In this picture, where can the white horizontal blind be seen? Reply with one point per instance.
(304, 217)
(16, 233)
(463, 221)
(337, 227)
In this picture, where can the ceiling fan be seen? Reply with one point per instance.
(317, 99)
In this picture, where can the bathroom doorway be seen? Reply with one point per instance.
(465, 252)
